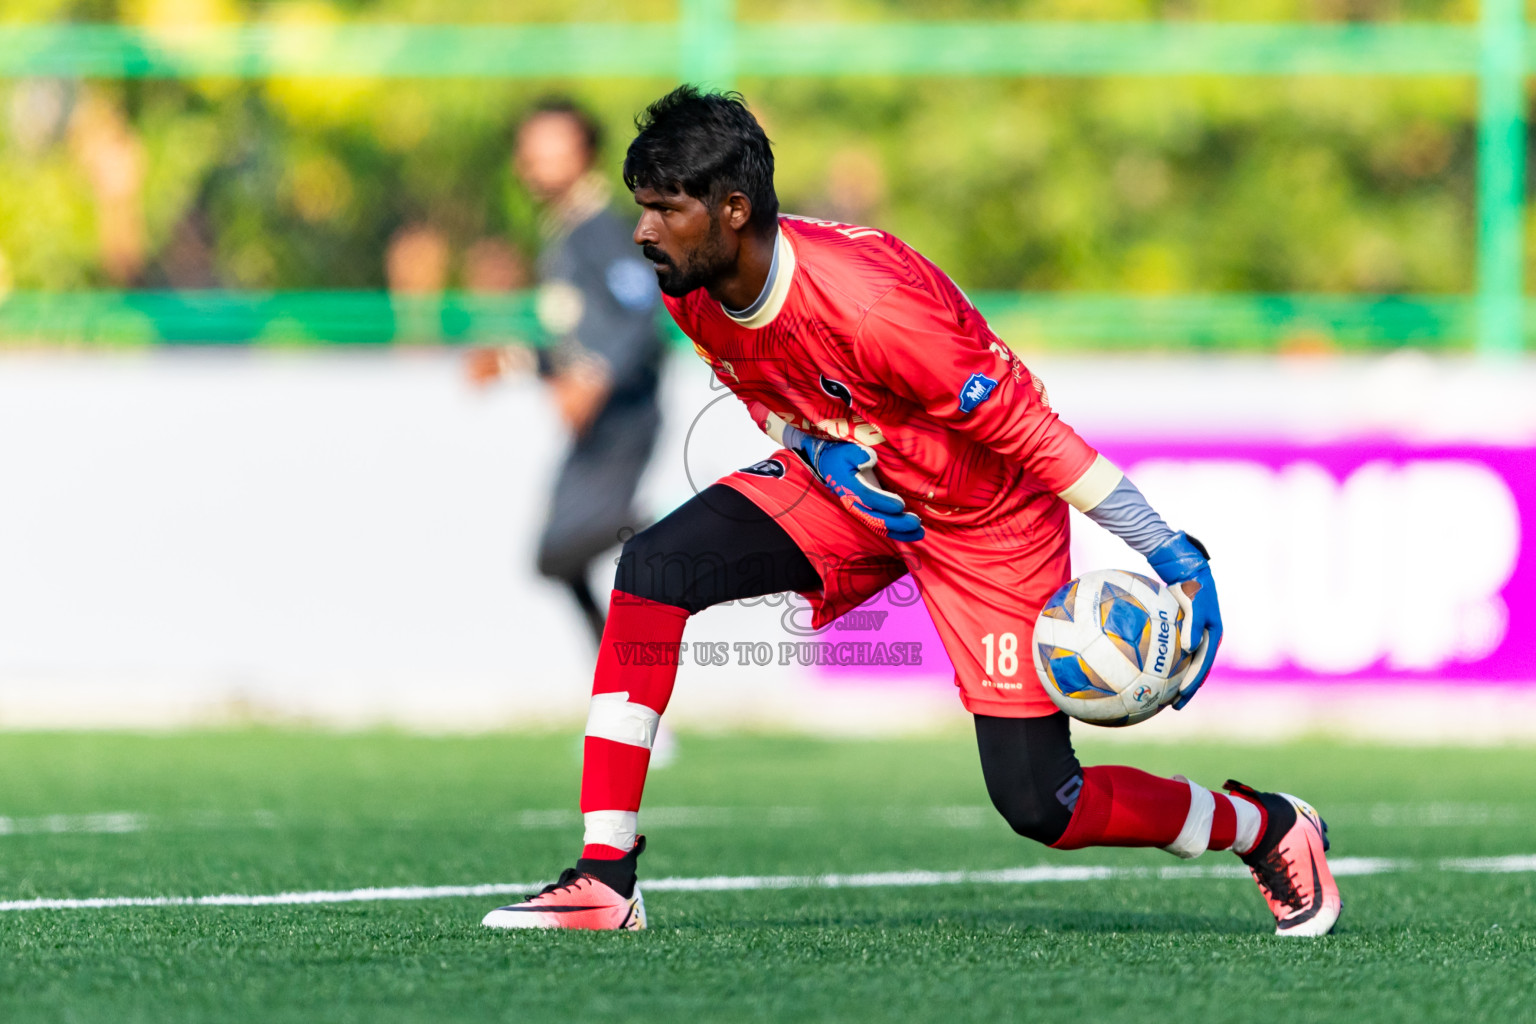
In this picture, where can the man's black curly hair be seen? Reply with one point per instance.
(706, 145)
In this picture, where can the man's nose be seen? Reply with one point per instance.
(645, 230)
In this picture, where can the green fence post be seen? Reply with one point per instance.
(708, 42)
(1501, 178)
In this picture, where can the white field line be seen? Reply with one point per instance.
(401, 892)
(1489, 865)
(655, 817)
(1443, 815)
(737, 883)
(58, 824)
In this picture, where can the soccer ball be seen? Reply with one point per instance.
(1107, 647)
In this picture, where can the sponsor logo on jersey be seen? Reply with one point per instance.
(559, 306)
(768, 467)
(976, 390)
(836, 389)
(722, 368)
(847, 428)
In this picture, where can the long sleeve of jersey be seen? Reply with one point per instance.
(952, 366)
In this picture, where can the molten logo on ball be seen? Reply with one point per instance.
(1162, 640)
(1105, 647)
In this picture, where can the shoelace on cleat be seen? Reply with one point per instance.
(568, 878)
(1273, 873)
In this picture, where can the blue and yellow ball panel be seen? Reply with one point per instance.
(1127, 624)
(1182, 659)
(1152, 585)
(1061, 603)
(1072, 676)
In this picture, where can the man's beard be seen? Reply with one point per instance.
(708, 262)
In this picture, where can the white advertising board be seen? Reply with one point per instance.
(347, 538)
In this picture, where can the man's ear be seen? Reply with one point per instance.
(736, 211)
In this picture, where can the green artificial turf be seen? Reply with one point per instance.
(264, 812)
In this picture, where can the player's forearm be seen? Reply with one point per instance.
(1106, 495)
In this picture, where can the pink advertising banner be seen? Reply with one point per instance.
(1351, 561)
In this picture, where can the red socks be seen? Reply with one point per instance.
(1121, 806)
(1125, 807)
(636, 668)
(1223, 823)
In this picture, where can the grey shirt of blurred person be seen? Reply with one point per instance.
(598, 300)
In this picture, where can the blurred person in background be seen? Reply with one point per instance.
(598, 300)
(416, 269)
(109, 150)
(493, 266)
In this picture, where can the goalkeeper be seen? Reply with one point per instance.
(914, 441)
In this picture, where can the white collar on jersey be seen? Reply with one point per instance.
(775, 290)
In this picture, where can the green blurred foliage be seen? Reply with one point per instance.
(1142, 185)
(1159, 185)
(1116, 10)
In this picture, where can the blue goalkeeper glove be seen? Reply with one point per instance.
(1182, 562)
(847, 468)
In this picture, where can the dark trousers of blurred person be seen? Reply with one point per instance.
(592, 506)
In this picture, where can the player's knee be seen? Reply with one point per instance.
(1031, 772)
(634, 575)
(1033, 815)
(659, 565)
(562, 561)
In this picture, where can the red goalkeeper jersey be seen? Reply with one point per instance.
(862, 338)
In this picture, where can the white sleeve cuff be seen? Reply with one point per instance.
(774, 426)
(1096, 483)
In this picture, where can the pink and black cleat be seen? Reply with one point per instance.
(594, 895)
(1290, 864)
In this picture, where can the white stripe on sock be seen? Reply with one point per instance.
(611, 828)
(1248, 821)
(614, 717)
(1195, 836)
